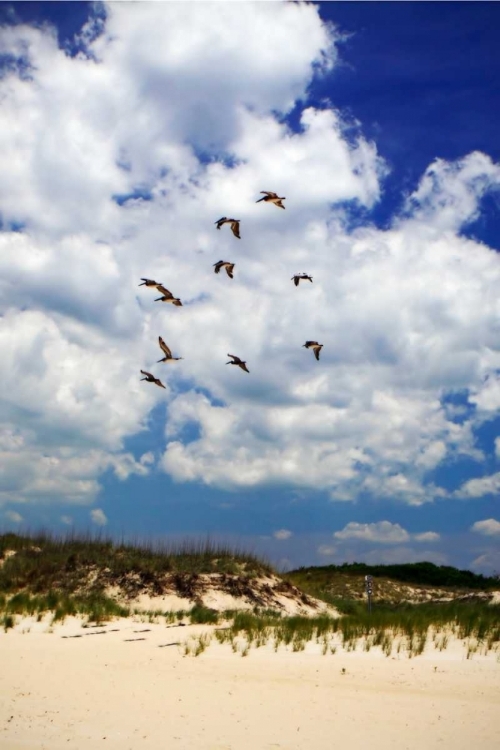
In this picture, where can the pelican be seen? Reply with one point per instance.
(238, 361)
(150, 282)
(168, 297)
(224, 264)
(271, 198)
(315, 347)
(151, 379)
(235, 225)
(168, 354)
(301, 276)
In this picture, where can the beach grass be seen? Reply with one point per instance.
(73, 575)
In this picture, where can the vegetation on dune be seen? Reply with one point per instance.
(421, 573)
(343, 586)
(44, 562)
(72, 575)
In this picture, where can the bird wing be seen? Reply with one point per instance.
(243, 366)
(164, 347)
(296, 280)
(147, 281)
(148, 374)
(317, 350)
(164, 291)
(233, 356)
(269, 193)
(177, 303)
(229, 270)
(158, 382)
(279, 203)
(218, 266)
(235, 227)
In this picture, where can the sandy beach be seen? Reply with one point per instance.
(121, 686)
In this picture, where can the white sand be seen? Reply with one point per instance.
(101, 691)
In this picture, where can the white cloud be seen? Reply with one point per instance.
(98, 517)
(369, 417)
(448, 195)
(14, 516)
(67, 520)
(384, 532)
(489, 485)
(282, 534)
(487, 563)
(426, 536)
(489, 527)
(326, 550)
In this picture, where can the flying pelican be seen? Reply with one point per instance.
(224, 264)
(168, 297)
(150, 282)
(168, 354)
(300, 276)
(235, 225)
(151, 379)
(238, 361)
(315, 347)
(271, 198)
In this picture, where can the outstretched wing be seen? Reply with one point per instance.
(235, 227)
(317, 351)
(164, 347)
(217, 267)
(243, 366)
(269, 193)
(233, 356)
(296, 280)
(229, 270)
(164, 291)
(147, 374)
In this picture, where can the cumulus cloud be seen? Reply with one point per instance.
(427, 536)
(112, 175)
(98, 517)
(326, 550)
(382, 531)
(487, 563)
(489, 485)
(488, 527)
(282, 534)
(449, 194)
(14, 516)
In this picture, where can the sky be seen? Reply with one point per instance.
(127, 130)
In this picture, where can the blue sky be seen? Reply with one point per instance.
(130, 129)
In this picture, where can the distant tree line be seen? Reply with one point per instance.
(425, 573)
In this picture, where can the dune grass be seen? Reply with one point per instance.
(71, 575)
(44, 562)
(408, 630)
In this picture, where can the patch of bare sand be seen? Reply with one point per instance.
(113, 687)
(222, 592)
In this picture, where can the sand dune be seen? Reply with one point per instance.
(113, 687)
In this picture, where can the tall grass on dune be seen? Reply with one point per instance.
(409, 630)
(43, 561)
(72, 574)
